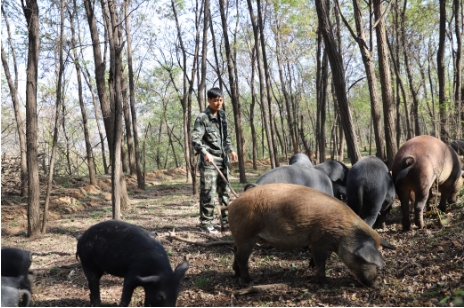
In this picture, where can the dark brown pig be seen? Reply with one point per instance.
(419, 163)
(290, 216)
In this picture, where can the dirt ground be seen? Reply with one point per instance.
(426, 269)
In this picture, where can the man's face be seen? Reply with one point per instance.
(215, 104)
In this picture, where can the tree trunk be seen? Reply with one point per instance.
(58, 106)
(88, 146)
(336, 65)
(266, 118)
(441, 71)
(128, 125)
(321, 94)
(458, 70)
(369, 67)
(235, 96)
(385, 81)
(31, 12)
(295, 146)
(137, 154)
(20, 124)
(273, 147)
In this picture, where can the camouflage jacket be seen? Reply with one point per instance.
(211, 135)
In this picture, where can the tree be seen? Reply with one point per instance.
(31, 12)
(20, 124)
(338, 78)
(369, 67)
(137, 154)
(235, 97)
(441, 71)
(385, 81)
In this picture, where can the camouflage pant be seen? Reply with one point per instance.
(210, 183)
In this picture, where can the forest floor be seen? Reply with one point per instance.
(426, 269)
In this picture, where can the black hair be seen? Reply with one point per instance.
(214, 92)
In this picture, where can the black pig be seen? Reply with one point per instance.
(15, 263)
(338, 173)
(300, 159)
(295, 174)
(125, 250)
(370, 190)
(12, 296)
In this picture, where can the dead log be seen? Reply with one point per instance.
(172, 236)
(263, 288)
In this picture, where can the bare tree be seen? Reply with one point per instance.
(262, 87)
(31, 12)
(20, 124)
(137, 154)
(339, 83)
(235, 99)
(385, 81)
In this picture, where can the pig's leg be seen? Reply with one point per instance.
(404, 199)
(419, 204)
(320, 257)
(242, 255)
(93, 277)
(127, 291)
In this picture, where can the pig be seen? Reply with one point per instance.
(126, 250)
(12, 295)
(458, 146)
(300, 159)
(337, 172)
(370, 190)
(16, 263)
(296, 174)
(288, 216)
(419, 163)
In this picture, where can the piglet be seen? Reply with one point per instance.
(126, 250)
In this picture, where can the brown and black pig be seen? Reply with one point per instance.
(419, 163)
(290, 216)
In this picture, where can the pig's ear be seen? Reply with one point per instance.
(181, 269)
(370, 254)
(147, 279)
(386, 244)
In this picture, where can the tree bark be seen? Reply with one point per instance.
(459, 113)
(336, 65)
(441, 71)
(31, 12)
(385, 81)
(235, 96)
(137, 154)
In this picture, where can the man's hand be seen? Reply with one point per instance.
(234, 156)
(208, 158)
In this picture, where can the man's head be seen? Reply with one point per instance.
(215, 100)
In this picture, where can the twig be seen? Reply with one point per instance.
(261, 288)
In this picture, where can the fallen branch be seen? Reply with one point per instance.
(172, 236)
(261, 288)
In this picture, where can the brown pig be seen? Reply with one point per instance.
(419, 163)
(290, 216)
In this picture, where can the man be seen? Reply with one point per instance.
(210, 138)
